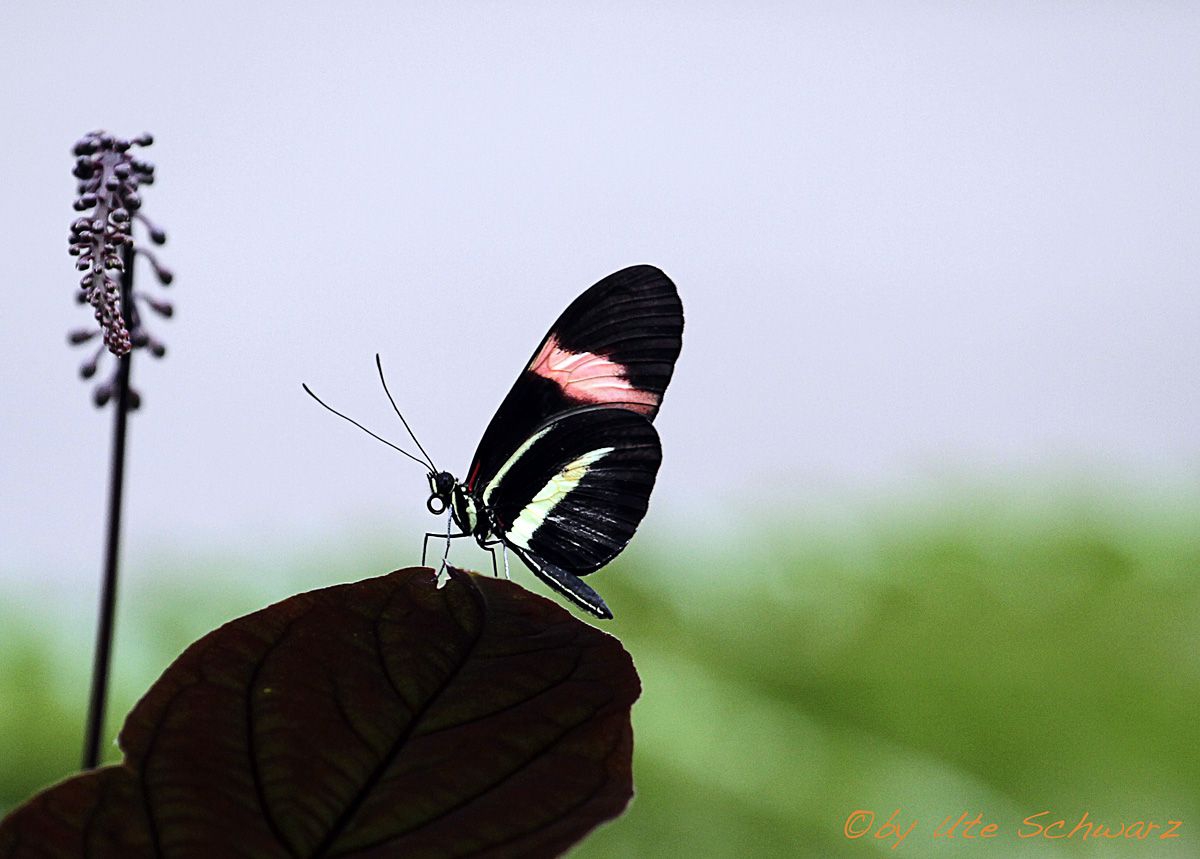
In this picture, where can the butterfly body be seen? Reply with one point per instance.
(563, 473)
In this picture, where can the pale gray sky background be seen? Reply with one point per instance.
(913, 240)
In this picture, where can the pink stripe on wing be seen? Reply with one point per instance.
(590, 378)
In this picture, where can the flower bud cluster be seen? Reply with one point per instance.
(109, 177)
(101, 239)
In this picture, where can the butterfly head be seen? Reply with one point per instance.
(441, 491)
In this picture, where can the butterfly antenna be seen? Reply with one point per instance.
(308, 391)
(379, 365)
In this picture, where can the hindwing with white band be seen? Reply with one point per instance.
(573, 495)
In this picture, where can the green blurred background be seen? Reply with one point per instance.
(995, 652)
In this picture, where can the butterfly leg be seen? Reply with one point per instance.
(440, 536)
(448, 536)
(490, 545)
(446, 553)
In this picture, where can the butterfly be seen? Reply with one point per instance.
(563, 473)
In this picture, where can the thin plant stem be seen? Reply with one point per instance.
(116, 481)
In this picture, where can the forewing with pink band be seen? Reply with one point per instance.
(615, 345)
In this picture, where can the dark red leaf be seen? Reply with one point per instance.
(382, 718)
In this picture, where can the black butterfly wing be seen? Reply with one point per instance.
(570, 498)
(615, 345)
(570, 586)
